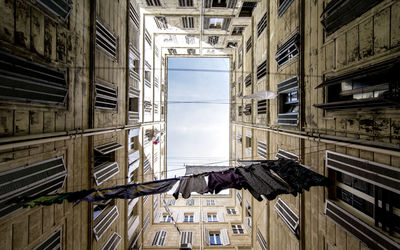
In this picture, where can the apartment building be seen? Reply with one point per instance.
(83, 105)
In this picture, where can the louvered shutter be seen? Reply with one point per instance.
(186, 237)
(163, 236)
(287, 216)
(105, 97)
(104, 221)
(206, 236)
(108, 148)
(40, 178)
(112, 242)
(52, 242)
(156, 239)
(105, 171)
(23, 80)
(196, 217)
(180, 217)
(158, 217)
(220, 217)
(224, 237)
(205, 217)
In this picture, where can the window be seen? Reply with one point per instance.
(215, 238)
(112, 242)
(261, 240)
(262, 149)
(283, 6)
(188, 218)
(212, 217)
(172, 51)
(287, 155)
(237, 229)
(40, 178)
(262, 107)
(147, 106)
(166, 218)
(106, 40)
(338, 13)
(213, 40)
(104, 214)
(288, 103)
(231, 211)
(105, 165)
(249, 44)
(220, 3)
(60, 8)
(210, 202)
(190, 202)
(372, 86)
(146, 222)
(161, 22)
(185, 3)
(188, 22)
(237, 30)
(248, 142)
(22, 80)
(153, 2)
(240, 56)
(134, 64)
(146, 165)
(106, 97)
(215, 23)
(133, 108)
(145, 198)
(171, 202)
(159, 238)
(190, 39)
(247, 9)
(54, 241)
(366, 189)
(262, 24)
(155, 203)
(262, 70)
(248, 209)
(288, 50)
(239, 198)
(288, 216)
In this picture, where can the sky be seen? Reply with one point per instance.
(197, 133)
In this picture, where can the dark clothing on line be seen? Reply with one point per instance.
(218, 181)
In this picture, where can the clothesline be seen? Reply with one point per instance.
(267, 178)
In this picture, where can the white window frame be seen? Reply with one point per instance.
(212, 217)
(189, 217)
(231, 211)
(210, 202)
(237, 229)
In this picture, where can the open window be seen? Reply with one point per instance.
(288, 50)
(247, 9)
(365, 199)
(105, 165)
(288, 103)
(369, 87)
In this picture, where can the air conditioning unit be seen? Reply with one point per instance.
(186, 246)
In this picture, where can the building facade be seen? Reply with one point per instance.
(83, 105)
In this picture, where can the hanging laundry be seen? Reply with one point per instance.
(191, 184)
(297, 176)
(130, 191)
(260, 181)
(217, 181)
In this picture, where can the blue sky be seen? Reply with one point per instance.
(197, 133)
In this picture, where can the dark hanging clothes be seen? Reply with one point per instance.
(297, 176)
(260, 181)
(217, 181)
(191, 184)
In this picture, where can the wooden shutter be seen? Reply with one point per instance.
(40, 178)
(105, 97)
(205, 217)
(104, 172)
(112, 242)
(106, 40)
(108, 148)
(287, 215)
(104, 221)
(287, 155)
(23, 80)
(224, 237)
(54, 241)
(60, 8)
(261, 240)
(206, 236)
(288, 50)
(196, 217)
(283, 6)
(220, 217)
(186, 237)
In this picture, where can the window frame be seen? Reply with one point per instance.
(237, 229)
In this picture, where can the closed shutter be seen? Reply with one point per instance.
(283, 6)
(134, 15)
(287, 51)
(104, 221)
(163, 236)
(40, 178)
(262, 149)
(262, 24)
(105, 97)
(112, 242)
(186, 237)
(196, 217)
(261, 240)
(52, 242)
(158, 217)
(106, 40)
(156, 238)
(23, 80)
(205, 217)
(180, 217)
(60, 8)
(224, 237)
(287, 155)
(206, 236)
